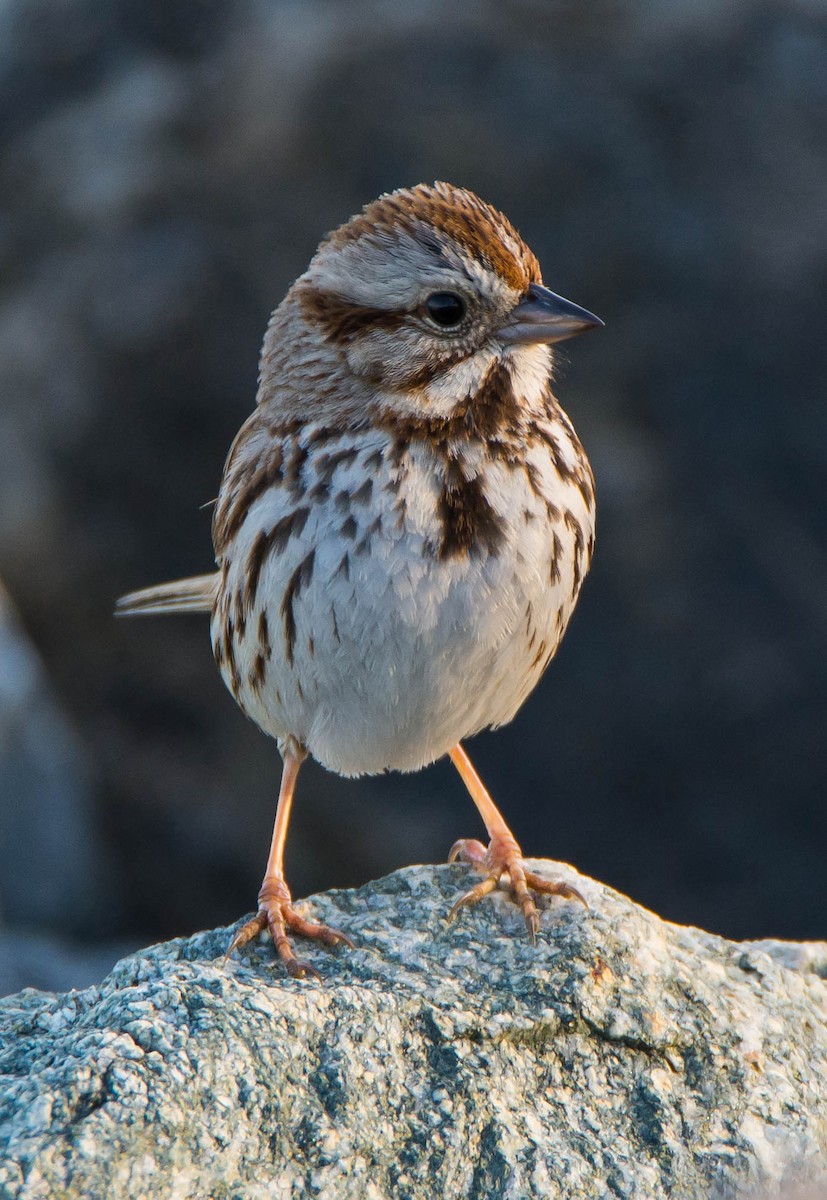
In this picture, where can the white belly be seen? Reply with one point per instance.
(385, 653)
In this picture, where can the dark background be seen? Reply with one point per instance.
(168, 167)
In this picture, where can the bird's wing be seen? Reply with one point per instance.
(195, 594)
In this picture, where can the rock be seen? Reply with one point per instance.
(621, 1056)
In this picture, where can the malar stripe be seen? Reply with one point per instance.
(490, 413)
(430, 370)
(494, 408)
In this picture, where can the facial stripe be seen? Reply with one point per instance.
(493, 411)
(341, 320)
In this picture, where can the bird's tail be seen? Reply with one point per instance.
(195, 594)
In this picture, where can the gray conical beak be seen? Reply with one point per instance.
(541, 316)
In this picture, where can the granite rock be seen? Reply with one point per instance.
(621, 1056)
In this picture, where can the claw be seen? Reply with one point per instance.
(297, 968)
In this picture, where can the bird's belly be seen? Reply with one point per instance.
(385, 650)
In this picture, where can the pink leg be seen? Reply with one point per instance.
(275, 905)
(503, 856)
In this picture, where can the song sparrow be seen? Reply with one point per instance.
(404, 521)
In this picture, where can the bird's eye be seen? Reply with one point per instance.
(446, 308)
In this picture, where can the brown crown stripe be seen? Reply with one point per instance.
(442, 215)
(270, 541)
(297, 582)
(340, 319)
(469, 523)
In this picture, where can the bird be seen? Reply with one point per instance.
(404, 521)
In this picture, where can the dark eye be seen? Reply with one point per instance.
(445, 308)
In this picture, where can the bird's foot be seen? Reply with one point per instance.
(505, 858)
(276, 913)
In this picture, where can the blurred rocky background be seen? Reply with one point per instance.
(168, 167)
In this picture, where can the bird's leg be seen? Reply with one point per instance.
(275, 904)
(503, 856)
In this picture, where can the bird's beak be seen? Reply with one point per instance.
(541, 316)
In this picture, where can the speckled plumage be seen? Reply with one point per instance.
(406, 518)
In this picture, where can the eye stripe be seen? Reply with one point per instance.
(341, 320)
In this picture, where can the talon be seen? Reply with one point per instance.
(297, 968)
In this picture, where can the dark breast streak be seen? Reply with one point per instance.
(469, 523)
(303, 461)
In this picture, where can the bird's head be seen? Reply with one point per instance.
(422, 292)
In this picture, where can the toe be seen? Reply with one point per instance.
(476, 893)
(549, 887)
(325, 934)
